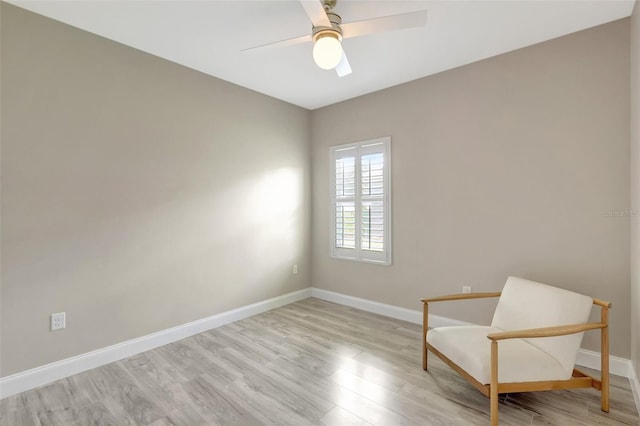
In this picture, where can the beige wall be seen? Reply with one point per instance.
(635, 189)
(137, 194)
(502, 167)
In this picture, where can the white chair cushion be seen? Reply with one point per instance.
(527, 304)
(518, 361)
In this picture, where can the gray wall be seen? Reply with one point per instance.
(137, 194)
(502, 167)
(635, 189)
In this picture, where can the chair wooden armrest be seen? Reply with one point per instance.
(462, 296)
(561, 330)
(603, 303)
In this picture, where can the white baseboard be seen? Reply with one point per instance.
(369, 305)
(591, 359)
(635, 386)
(45, 374)
(391, 311)
(39, 376)
(586, 358)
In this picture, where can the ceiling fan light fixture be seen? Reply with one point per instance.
(327, 49)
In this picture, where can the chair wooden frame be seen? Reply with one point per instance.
(492, 390)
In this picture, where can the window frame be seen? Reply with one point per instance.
(358, 150)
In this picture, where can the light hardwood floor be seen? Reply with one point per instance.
(311, 362)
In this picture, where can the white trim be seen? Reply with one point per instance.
(635, 386)
(368, 305)
(617, 365)
(45, 374)
(586, 358)
(39, 376)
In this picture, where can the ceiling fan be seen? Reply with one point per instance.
(328, 31)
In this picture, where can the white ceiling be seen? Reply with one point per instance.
(209, 35)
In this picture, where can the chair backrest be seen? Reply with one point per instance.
(527, 304)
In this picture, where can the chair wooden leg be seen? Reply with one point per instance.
(494, 383)
(604, 366)
(425, 328)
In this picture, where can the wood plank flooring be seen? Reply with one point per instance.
(308, 363)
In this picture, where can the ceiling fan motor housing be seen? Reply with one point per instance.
(333, 31)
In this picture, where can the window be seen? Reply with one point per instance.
(360, 201)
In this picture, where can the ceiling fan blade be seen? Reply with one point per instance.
(343, 68)
(385, 23)
(315, 12)
(281, 43)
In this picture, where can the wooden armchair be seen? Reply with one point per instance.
(539, 328)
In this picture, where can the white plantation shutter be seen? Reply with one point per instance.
(346, 225)
(345, 207)
(372, 225)
(360, 212)
(372, 201)
(346, 177)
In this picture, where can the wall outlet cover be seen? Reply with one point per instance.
(58, 321)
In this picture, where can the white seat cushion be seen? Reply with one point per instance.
(518, 361)
(529, 304)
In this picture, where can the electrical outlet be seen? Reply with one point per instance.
(466, 289)
(58, 321)
(295, 269)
